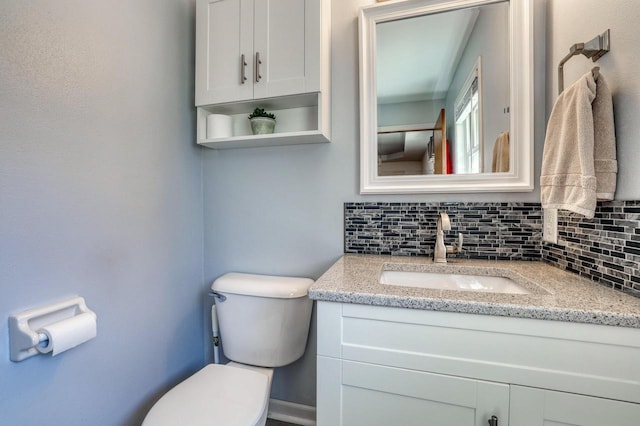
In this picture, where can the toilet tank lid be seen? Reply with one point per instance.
(262, 285)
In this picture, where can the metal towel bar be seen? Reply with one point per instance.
(594, 49)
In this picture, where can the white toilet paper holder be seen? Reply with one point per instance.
(23, 335)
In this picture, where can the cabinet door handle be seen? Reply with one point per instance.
(243, 67)
(258, 62)
(493, 421)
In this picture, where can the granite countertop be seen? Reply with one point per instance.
(554, 294)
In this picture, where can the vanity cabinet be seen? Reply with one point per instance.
(382, 365)
(272, 54)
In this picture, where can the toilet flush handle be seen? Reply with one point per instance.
(218, 296)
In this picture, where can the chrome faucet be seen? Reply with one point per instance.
(441, 250)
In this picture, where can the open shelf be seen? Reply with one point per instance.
(274, 139)
(299, 120)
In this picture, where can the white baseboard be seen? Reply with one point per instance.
(286, 411)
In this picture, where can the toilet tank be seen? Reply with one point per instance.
(264, 320)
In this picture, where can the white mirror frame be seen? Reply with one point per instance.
(520, 178)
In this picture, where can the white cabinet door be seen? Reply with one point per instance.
(287, 43)
(541, 407)
(254, 49)
(377, 395)
(224, 34)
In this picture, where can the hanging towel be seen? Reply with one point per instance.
(568, 179)
(501, 153)
(604, 138)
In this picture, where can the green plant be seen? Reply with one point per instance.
(259, 112)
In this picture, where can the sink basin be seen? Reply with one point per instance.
(445, 281)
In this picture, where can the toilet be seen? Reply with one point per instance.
(264, 323)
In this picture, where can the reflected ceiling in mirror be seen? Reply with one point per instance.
(438, 71)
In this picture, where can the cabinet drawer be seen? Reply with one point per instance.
(571, 357)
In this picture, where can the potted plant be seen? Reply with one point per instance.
(262, 122)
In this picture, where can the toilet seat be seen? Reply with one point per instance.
(216, 395)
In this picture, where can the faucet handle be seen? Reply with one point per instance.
(444, 222)
(456, 249)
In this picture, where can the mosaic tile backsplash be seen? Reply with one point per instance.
(490, 230)
(605, 248)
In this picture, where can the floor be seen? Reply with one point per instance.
(271, 422)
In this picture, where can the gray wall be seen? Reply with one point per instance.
(574, 21)
(100, 196)
(279, 210)
(417, 112)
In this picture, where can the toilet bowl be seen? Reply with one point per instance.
(264, 323)
(216, 395)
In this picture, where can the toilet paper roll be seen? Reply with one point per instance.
(219, 126)
(66, 334)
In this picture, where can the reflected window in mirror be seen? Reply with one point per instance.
(468, 144)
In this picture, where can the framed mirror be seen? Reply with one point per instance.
(446, 96)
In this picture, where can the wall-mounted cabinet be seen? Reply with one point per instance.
(272, 54)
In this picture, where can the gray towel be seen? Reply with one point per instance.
(579, 149)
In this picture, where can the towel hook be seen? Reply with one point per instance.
(594, 49)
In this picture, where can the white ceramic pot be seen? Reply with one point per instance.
(262, 125)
